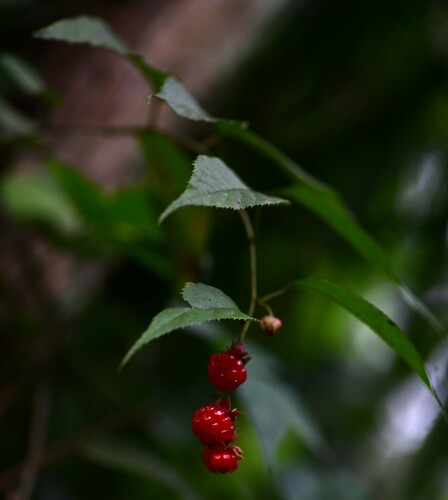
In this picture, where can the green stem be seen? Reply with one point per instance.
(266, 306)
(275, 294)
(253, 270)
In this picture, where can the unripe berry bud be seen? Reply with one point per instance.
(270, 325)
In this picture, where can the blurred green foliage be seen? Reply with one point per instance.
(357, 93)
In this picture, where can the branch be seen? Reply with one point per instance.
(90, 129)
(253, 271)
(67, 446)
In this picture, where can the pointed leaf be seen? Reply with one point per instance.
(375, 319)
(181, 317)
(241, 133)
(174, 93)
(96, 32)
(333, 211)
(24, 76)
(203, 296)
(326, 203)
(13, 122)
(220, 306)
(83, 29)
(214, 184)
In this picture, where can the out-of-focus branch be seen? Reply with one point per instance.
(89, 129)
(67, 446)
(38, 432)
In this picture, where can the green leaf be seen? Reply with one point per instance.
(181, 317)
(13, 122)
(326, 203)
(202, 296)
(124, 215)
(269, 400)
(241, 133)
(174, 93)
(331, 209)
(24, 76)
(95, 32)
(375, 319)
(37, 196)
(83, 29)
(153, 75)
(169, 167)
(214, 184)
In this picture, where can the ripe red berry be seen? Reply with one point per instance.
(213, 425)
(220, 459)
(239, 351)
(226, 371)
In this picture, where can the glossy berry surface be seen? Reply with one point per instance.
(213, 425)
(226, 371)
(219, 459)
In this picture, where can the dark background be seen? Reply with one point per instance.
(357, 94)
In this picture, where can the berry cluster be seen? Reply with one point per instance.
(213, 424)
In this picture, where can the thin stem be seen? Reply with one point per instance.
(38, 432)
(250, 233)
(70, 444)
(275, 294)
(266, 306)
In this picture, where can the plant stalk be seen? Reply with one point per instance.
(250, 233)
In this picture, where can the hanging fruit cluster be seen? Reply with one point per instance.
(214, 424)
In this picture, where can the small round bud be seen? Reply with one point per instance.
(270, 325)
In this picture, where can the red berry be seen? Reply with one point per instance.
(213, 425)
(270, 325)
(220, 459)
(226, 371)
(239, 350)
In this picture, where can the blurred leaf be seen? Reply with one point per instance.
(214, 184)
(24, 76)
(129, 208)
(331, 209)
(128, 459)
(36, 196)
(13, 122)
(268, 400)
(174, 93)
(83, 192)
(181, 317)
(95, 32)
(202, 296)
(375, 319)
(124, 214)
(83, 29)
(152, 74)
(240, 132)
(169, 167)
(326, 203)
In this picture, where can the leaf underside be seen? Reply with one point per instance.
(83, 29)
(208, 304)
(174, 93)
(214, 184)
